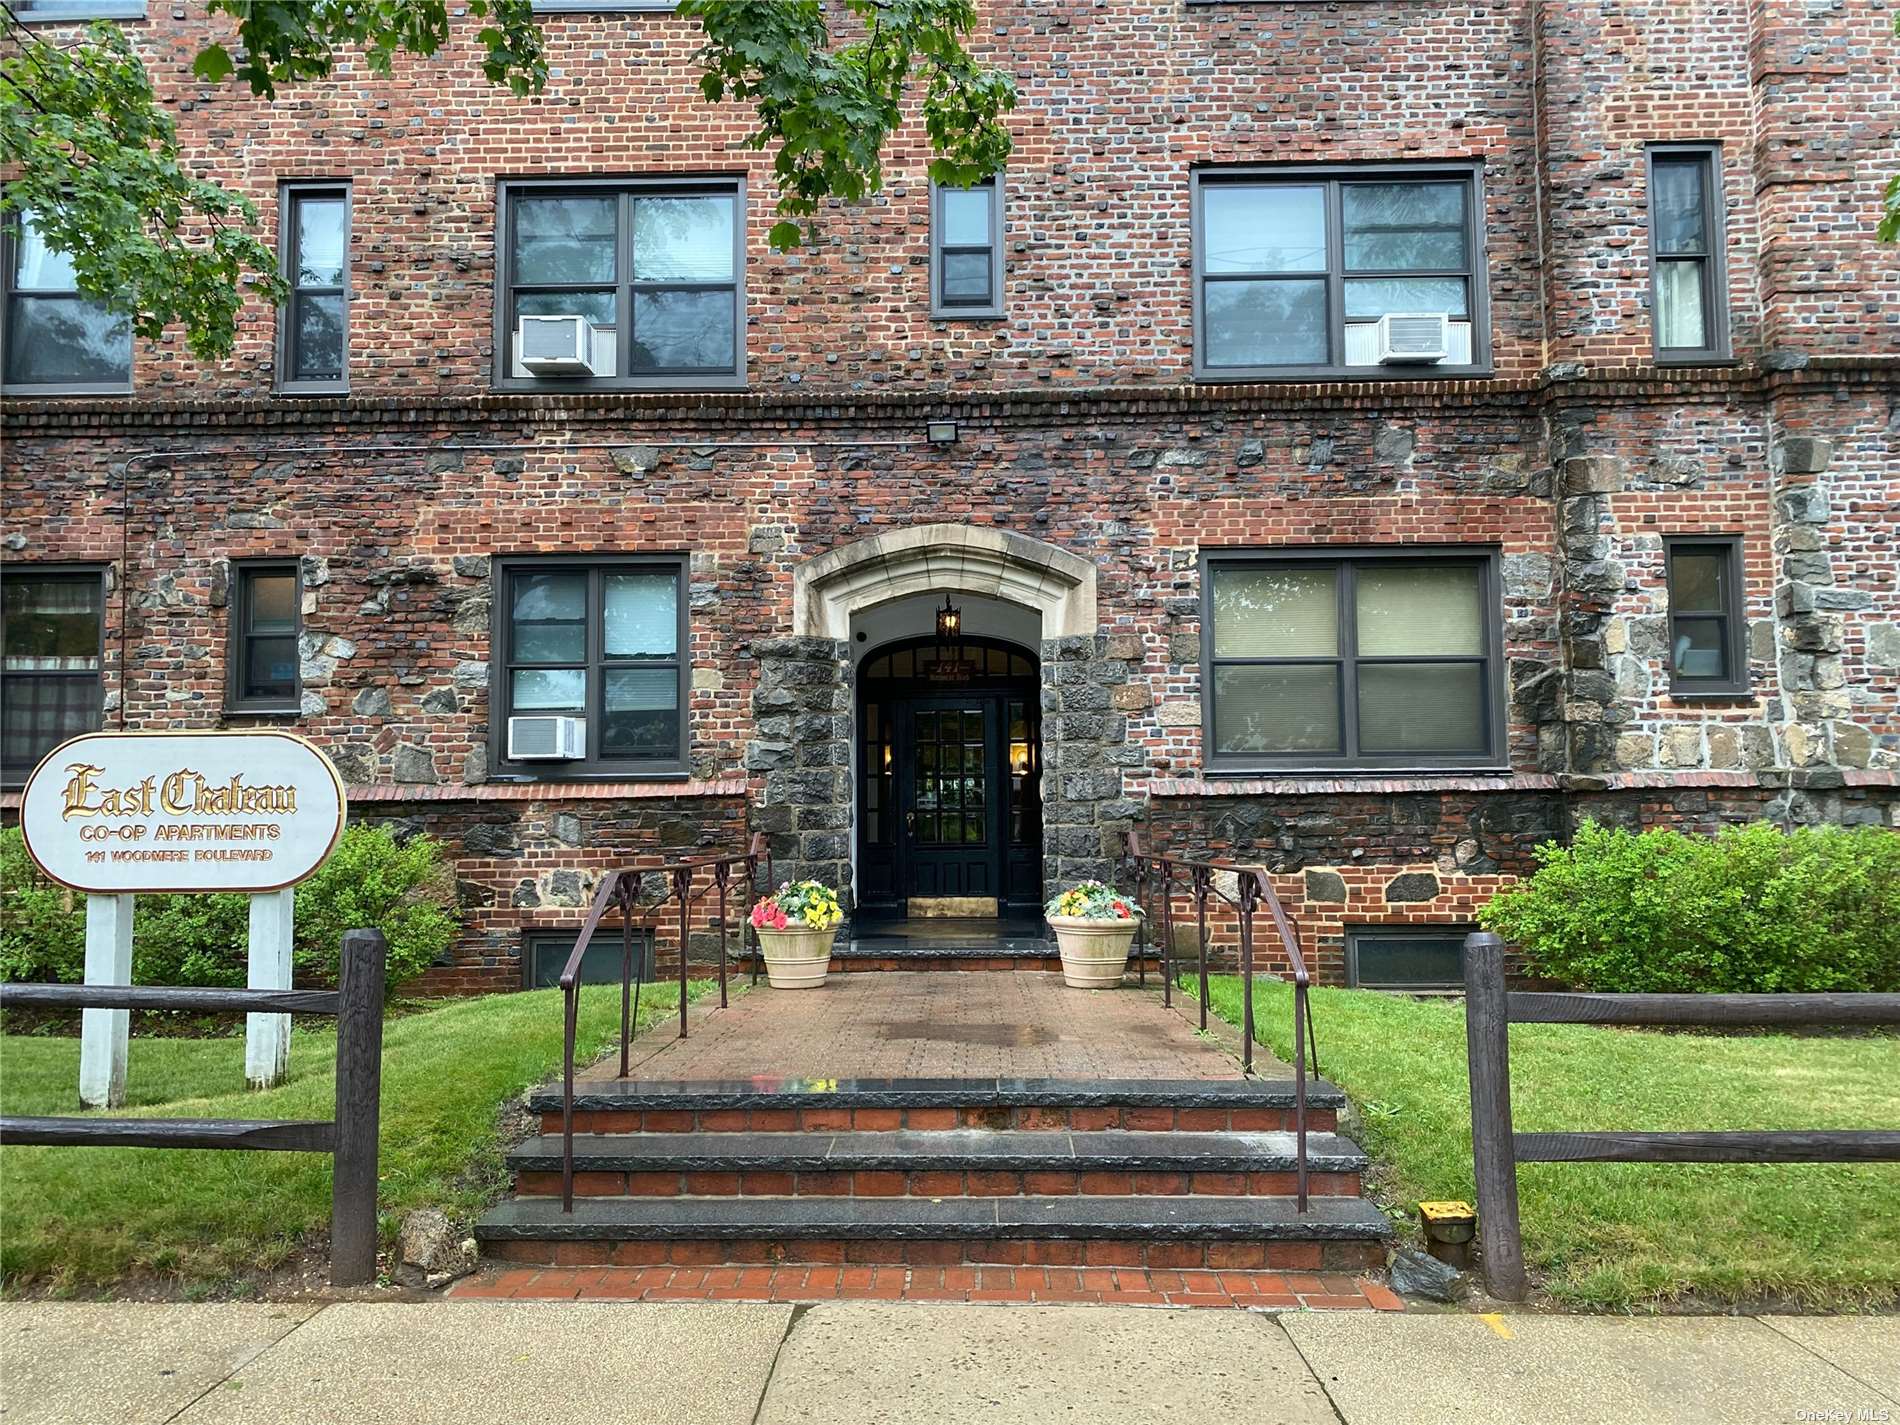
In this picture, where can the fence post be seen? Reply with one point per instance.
(359, 1068)
(103, 1032)
(1493, 1151)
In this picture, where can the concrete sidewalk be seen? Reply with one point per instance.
(853, 1363)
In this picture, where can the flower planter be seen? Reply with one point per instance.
(1094, 951)
(796, 959)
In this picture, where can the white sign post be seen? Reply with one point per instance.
(118, 814)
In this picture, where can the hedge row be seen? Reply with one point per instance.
(405, 889)
(1751, 910)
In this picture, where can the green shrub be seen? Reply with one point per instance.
(1751, 910)
(405, 890)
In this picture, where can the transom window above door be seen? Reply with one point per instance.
(1335, 272)
(591, 677)
(1368, 660)
(622, 285)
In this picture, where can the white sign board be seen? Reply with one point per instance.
(122, 813)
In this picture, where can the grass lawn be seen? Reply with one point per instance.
(1625, 1235)
(77, 1218)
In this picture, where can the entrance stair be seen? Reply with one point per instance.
(1155, 1173)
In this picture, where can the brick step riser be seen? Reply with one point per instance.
(935, 1183)
(884, 1120)
(1282, 1255)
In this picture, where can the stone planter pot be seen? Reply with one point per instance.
(1094, 952)
(796, 959)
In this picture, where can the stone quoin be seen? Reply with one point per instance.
(1222, 572)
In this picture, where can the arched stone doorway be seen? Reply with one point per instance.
(807, 741)
(948, 777)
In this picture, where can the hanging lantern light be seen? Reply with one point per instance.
(949, 629)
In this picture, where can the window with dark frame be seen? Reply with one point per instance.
(655, 267)
(1294, 267)
(601, 639)
(1708, 634)
(52, 647)
(313, 329)
(1321, 660)
(966, 250)
(1689, 294)
(544, 955)
(52, 11)
(55, 340)
(266, 620)
(1406, 957)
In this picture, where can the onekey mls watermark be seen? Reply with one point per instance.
(1852, 1415)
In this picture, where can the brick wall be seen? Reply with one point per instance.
(1076, 429)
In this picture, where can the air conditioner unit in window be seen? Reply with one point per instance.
(547, 739)
(1413, 337)
(556, 346)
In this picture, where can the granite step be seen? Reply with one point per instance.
(954, 1163)
(1335, 1233)
(883, 1105)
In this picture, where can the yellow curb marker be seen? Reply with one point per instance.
(1496, 1322)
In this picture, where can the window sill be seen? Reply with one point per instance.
(1685, 359)
(644, 788)
(1282, 782)
(557, 385)
(1310, 375)
(1711, 695)
(336, 388)
(528, 779)
(54, 392)
(263, 710)
(1476, 769)
(958, 314)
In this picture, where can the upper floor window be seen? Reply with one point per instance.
(1708, 635)
(56, 341)
(313, 330)
(1688, 292)
(266, 618)
(52, 644)
(966, 250)
(72, 10)
(1376, 660)
(623, 285)
(591, 676)
(1295, 268)
(588, 7)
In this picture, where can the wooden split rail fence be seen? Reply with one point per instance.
(350, 1138)
(1490, 1011)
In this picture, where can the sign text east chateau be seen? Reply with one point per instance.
(117, 813)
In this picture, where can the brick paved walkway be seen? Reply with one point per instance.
(1102, 1286)
(936, 1024)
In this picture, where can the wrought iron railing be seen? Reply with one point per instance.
(620, 891)
(1206, 883)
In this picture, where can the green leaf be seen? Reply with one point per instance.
(213, 64)
(783, 236)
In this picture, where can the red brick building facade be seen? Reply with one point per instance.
(1627, 550)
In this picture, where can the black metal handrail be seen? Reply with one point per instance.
(1252, 889)
(620, 889)
(351, 1138)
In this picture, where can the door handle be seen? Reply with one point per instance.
(910, 821)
